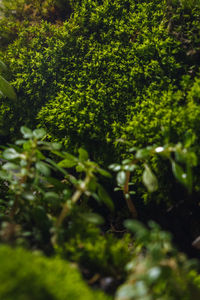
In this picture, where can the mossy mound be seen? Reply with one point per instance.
(115, 69)
(90, 78)
(26, 276)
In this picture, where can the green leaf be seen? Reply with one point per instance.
(130, 168)
(56, 146)
(58, 153)
(92, 218)
(149, 179)
(51, 196)
(6, 89)
(136, 227)
(3, 67)
(115, 167)
(39, 133)
(126, 161)
(121, 178)
(39, 155)
(116, 189)
(179, 173)
(142, 153)
(43, 168)
(92, 185)
(103, 195)
(20, 142)
(80, 168)
(28, 196)
(27, 133)
(132, 149)
(189, 139)
(28, 145)
(10, 153)
(83, 155)
(66, 163)
(69, 156)
(10, 166)
(54, 164)
(104, 173)
(154, 274)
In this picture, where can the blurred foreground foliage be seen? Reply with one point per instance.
(46, 208)
(37, 277)
(119, 80)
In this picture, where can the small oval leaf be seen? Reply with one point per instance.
(93, 218)
(10, 153)
(39, 133)
(121, 178)
(51, 196)
(83, 155)
(43, 168)
(179, 174)
(67, 163)
(115, 167)
(27, 133)
(149, 179)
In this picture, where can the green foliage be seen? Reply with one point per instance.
(115, 69)
(92, 70)
(6, 89)
(158, 272)
(176, 114)
(32, 276)
(104, 254)
(37, 197)
(182, 159)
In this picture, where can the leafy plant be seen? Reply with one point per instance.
(34, 194)
(181, 157)
(158, 271)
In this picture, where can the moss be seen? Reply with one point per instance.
(100, 253)
(115, 69)
(31, 276)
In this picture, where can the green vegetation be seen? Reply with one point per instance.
(97, 85)
(160, 273)
(37, 277)
(85, 244)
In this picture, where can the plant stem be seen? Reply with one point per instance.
(127, 197)
(76, 196)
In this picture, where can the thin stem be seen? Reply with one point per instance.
(127, 197)
(76, 196)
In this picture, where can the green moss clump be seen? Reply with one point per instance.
(87, 79)
(26, 276)
(100, 253)
(88, 74)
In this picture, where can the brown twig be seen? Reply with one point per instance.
(127, 197)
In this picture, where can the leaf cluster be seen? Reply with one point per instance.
(41, 190)
(160, 272)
